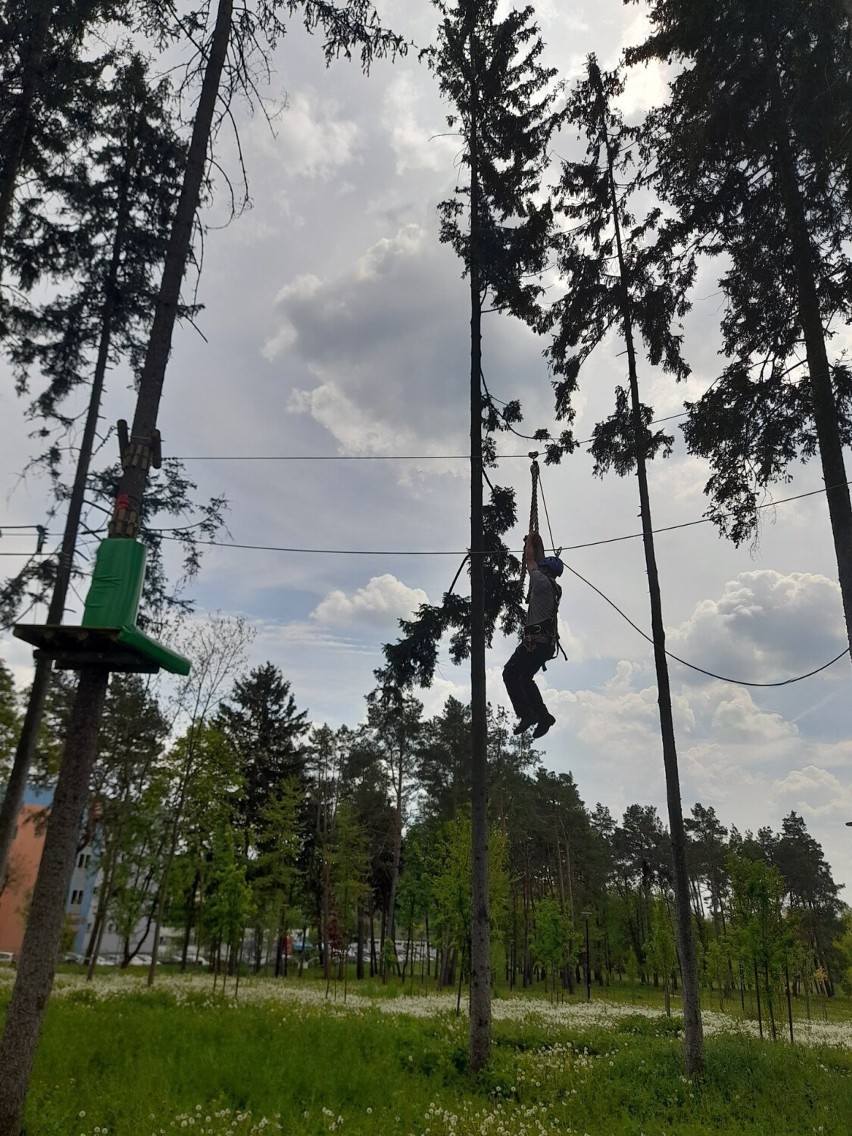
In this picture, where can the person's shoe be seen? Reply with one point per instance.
(543, 726)
(524, 724)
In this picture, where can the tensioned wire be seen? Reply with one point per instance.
(670, 654)
(648, 638)
(381, 457)
(424, 552)
(575, 547)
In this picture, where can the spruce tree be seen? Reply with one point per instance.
(262, 725)
(752, 151)
(501, 98)
(107, 232)
(48, 69)
(619, 274)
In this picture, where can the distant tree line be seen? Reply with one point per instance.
(357, 841)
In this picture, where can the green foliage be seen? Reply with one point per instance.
(654, 284)
(142, 1063)
(763, 935)
(48, 65)
(843, 946)
(551, 940)
(411, 661)
(9, 720)
(94, 252)
(503, 99)
(751, 151)
(661, 949)
(451, 885)
(279, 838)
(228, 903)
(262, 725)
(349, 866)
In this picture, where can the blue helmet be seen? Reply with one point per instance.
(552, 564)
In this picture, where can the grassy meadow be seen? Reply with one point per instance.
(118, 1059)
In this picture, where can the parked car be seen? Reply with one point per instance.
(7, 958)
(140, 960)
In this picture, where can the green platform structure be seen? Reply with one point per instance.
(108, 636)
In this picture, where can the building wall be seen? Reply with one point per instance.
(24, 859)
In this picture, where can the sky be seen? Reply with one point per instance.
(334, 340)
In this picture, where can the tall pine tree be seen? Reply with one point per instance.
(752, 150)
(501, 96)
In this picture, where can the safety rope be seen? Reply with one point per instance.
(535, 474)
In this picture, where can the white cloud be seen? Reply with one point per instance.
(383, 258)
(379, 604)
(353, 426)
(387, 375)
(765, 626)
(815, 792)
(417, 131)
(738, 720)
(314, 138)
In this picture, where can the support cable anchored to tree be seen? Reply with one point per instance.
(430, 552)
(701, 670)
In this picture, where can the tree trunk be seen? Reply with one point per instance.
(819, 374)
(47, 912)
(28, 739)
(325, 916)
(395, 863)
(692, 1027)
(480, 932)
(170, 855)
(125, 520)
(22, 119)
(101, 918)
(41, 944)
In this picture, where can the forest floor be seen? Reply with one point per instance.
(120, 1059)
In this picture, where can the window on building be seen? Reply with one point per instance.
(76, 897)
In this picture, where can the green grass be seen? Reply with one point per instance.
(141, 1063)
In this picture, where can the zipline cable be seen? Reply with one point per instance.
(379, 457)
(451, 552)
(692, 666)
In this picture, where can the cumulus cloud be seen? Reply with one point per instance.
(385, 371)
(814, 791)
(417, 133)
(737, 719)
(379, 604)
(765, 626)
(314, 138)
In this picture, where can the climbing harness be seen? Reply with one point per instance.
(550, 625)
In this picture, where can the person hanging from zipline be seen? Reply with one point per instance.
(540, 642)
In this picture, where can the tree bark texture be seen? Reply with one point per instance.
(22, 120)
(47, 913)
(819, 374)
(28, 738)
(480, 933)
(125, 520)
(693, 1032)
(38, 957)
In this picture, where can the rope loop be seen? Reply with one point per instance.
(534, 474)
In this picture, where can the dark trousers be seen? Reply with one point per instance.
(519, 674)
